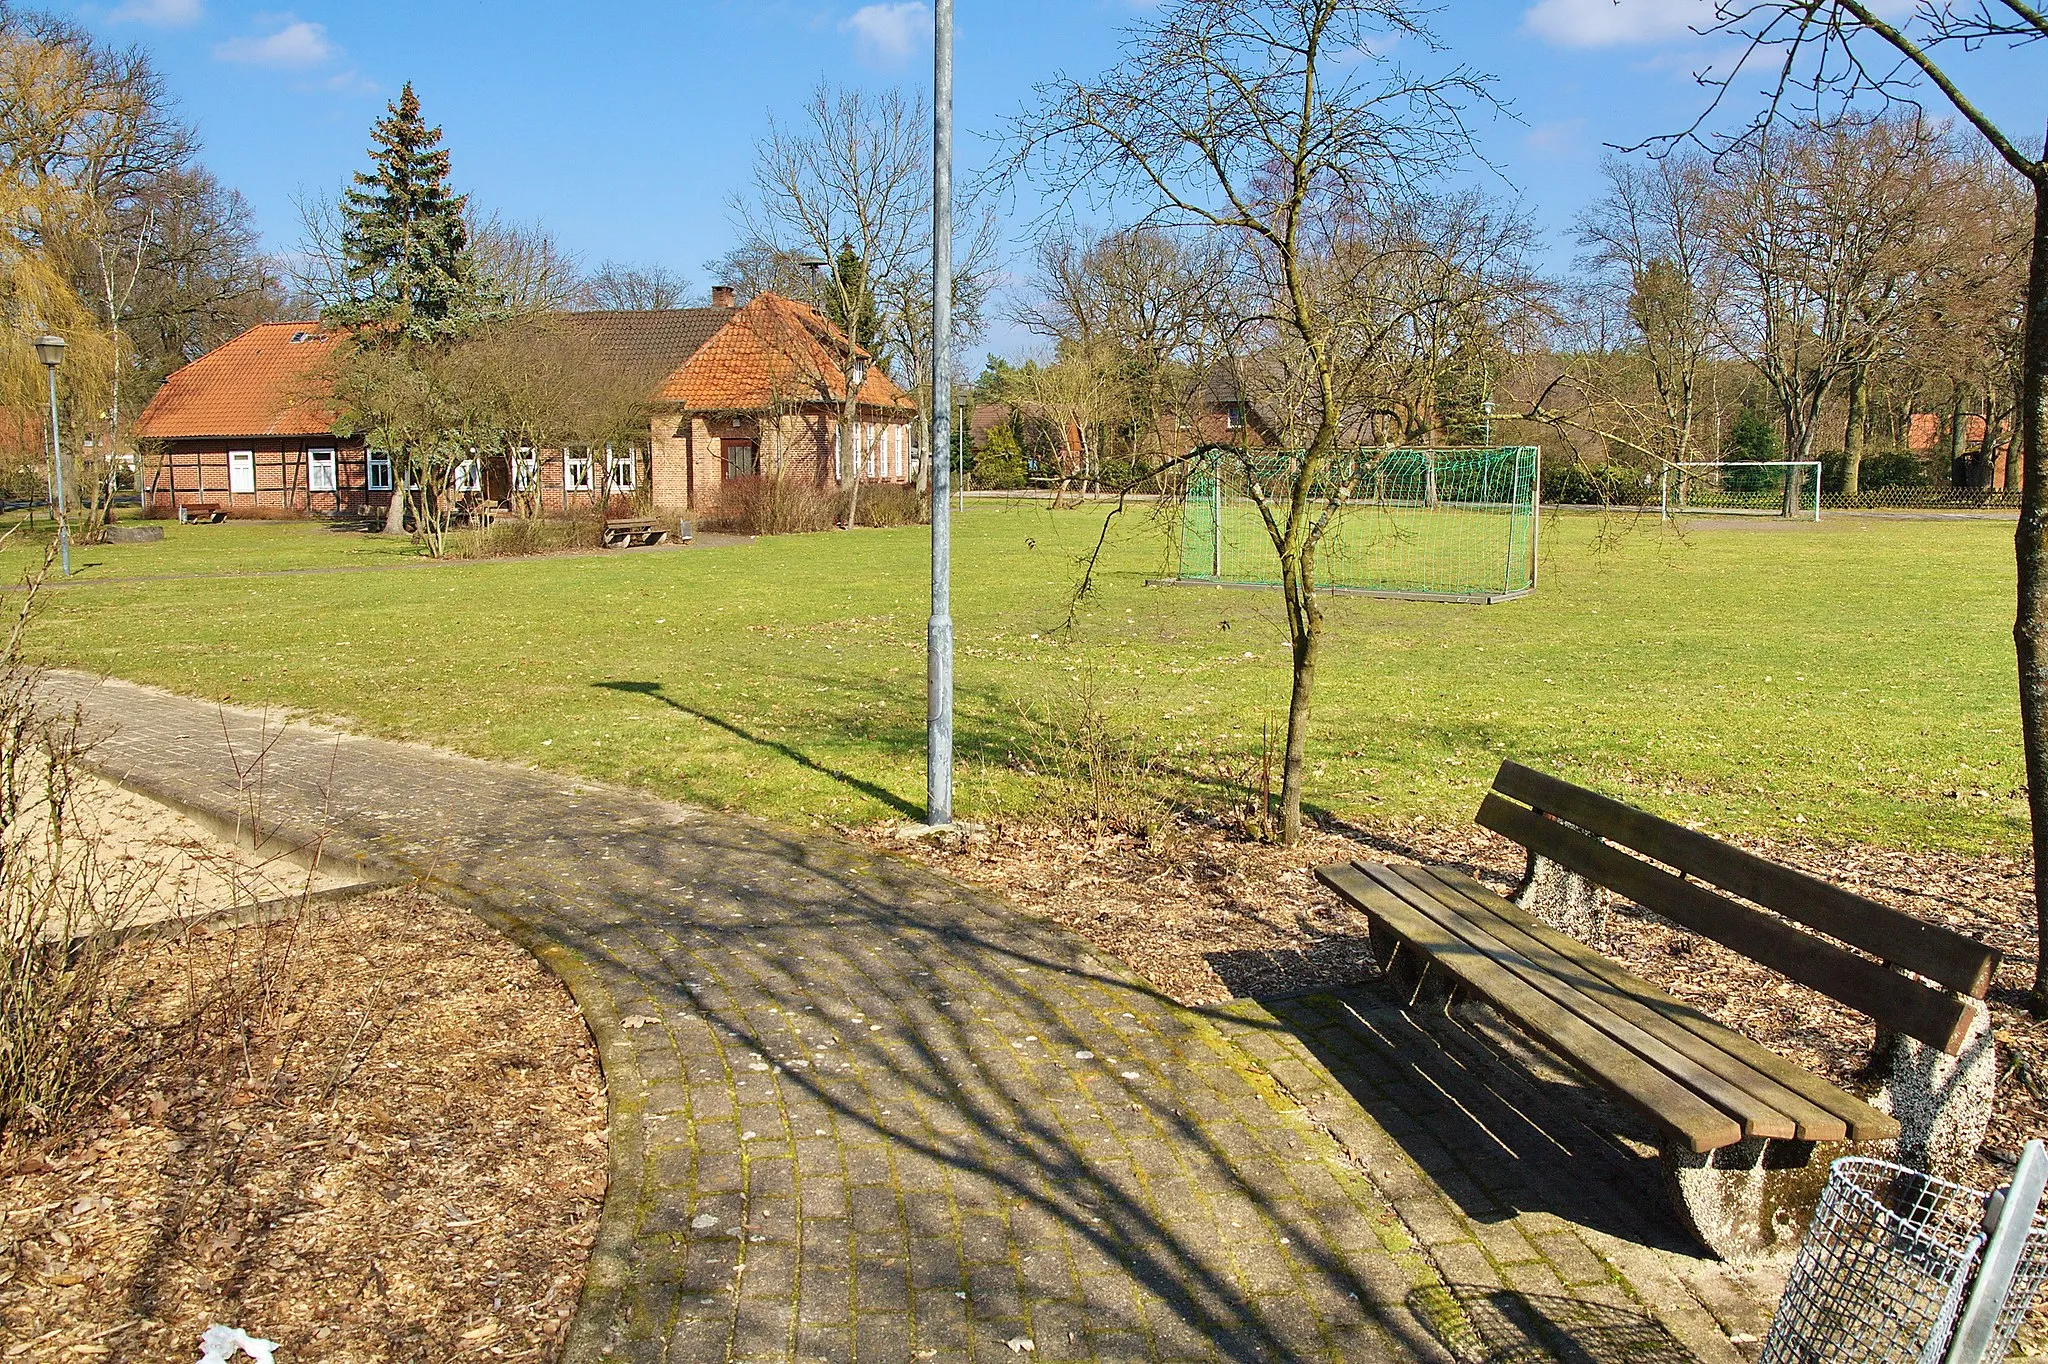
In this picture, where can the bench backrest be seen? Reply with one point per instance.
(1568, 824)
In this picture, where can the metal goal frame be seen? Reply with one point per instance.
(1795, 471)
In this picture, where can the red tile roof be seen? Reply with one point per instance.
(272, 381)
(269, 381)
(775, 351)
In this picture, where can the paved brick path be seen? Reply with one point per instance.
(860, 1112)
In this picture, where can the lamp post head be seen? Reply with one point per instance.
(50, 350)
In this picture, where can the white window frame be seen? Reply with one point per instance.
(525, 469)
(627, 465)
(467, 476)
(242, 472)
(571, 462)
(322, 475)
(378, 479)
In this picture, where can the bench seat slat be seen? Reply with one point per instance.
(1959, 962)
(1698, 1123)
(1808, 1121)
(1823, 1112)
(1863, 1123)
(1893, 1001)
(1566, 985)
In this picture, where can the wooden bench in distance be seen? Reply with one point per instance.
(1747, 1135)
(634, 530)
(202, 513)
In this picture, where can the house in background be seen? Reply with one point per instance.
(733, 393)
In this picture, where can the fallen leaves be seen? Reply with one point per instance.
(426, 1066)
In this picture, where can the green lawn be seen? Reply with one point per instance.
(231, 547)
(1846, 681)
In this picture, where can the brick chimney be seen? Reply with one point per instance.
(721, 295)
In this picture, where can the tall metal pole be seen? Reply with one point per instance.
(57, 463)
(938, 763)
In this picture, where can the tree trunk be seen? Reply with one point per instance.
(394, 515)
(1305, 626)
(2030, 628)
(1852, 433)
(1958, 439)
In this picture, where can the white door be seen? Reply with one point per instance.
(241, 471)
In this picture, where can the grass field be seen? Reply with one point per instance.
(1851, 681)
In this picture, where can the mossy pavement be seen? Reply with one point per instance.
(862, 1112)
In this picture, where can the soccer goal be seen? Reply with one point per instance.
(1742, 487)
(1438, 525)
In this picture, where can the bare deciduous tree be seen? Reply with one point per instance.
(616, 284)
(1847, 49)
(1268, 123)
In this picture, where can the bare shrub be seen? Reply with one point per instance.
(772, 504)
(63, 1041)
(512, 537)
(887, 504)
(1108, 774)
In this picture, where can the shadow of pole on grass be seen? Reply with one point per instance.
(881, 795)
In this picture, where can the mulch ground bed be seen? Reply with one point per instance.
(385, 1140)
(1205, 915)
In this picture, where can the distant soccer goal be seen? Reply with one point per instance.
(1742, 487)
(1439, 525)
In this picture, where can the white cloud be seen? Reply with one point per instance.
(1609, 23)
(161, 13)
(299, 43)
(888, 33)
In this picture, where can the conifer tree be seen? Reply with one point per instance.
(408, 267)
(850, 301)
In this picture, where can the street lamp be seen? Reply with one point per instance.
(938, 763)
(50, 350)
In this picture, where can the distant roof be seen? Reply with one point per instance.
(649, 341)
(265, 382)
(776, 351)
(271, 380)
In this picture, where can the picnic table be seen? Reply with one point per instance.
(623, 531)
(201, 513)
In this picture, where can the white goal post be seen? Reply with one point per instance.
(1741, 487)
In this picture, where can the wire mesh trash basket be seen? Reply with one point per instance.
(1899, 1267)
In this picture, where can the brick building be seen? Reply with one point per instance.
(733, 392)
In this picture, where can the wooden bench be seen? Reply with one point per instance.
(634, 530)
(1745, 1136)
(202, 513)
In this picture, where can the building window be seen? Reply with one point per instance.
(468, 476)
(524, 468)
(319, 471)
(739, 458)
(1233, 416)
(867, 448)
(576, 470)
(241, 471)
(380, 472)
(621, 469)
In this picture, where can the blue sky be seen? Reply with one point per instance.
(626, 127)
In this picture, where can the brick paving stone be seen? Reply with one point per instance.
(855, 1014)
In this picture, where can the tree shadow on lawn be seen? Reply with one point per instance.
(879, 794)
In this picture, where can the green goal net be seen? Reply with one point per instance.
(1448, 525)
